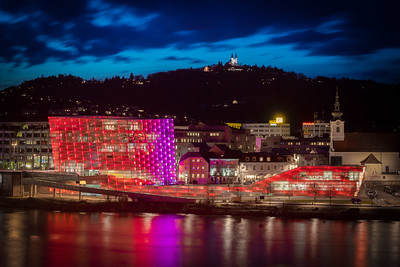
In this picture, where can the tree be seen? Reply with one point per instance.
(314, 190)
(289, 192)
(268, 190)
(331, 193)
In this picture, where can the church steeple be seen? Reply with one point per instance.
(337, 114)
(337, 124)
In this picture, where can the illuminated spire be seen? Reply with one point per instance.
(337, 114)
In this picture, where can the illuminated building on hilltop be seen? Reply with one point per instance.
(117, 146)
(233, 61)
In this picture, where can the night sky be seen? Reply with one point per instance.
(104, 38)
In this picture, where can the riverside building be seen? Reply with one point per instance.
(117, 146)
(25, 146)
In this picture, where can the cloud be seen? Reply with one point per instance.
(58, 45)
(35, 32)
(331, 26)
(8, 18)
(115, 16)
(192, 60)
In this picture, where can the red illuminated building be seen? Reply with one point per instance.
(120, 147)
(314, 180)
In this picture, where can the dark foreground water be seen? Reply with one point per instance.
(40, 238)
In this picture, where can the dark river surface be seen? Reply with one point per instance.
(41, 238)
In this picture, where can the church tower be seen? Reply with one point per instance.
(337, 125)
(233, 61)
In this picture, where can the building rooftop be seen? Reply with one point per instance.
(371, 159)
(368, 142)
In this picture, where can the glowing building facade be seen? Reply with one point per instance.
(315, 180)
(121, 147)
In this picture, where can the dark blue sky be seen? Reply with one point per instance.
(103, 38)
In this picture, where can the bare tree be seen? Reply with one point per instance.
(314, 190)
(331, 193)
(268, 190)
(289, 192)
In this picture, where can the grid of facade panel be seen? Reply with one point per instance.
(121, 147)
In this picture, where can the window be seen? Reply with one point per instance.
(338, 129)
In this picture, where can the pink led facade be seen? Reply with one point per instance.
(121, 147)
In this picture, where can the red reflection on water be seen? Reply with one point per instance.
(361, 242)
(113, 240)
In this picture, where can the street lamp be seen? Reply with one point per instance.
(14, 144)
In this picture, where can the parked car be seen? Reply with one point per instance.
(372, 193)
(387, 189)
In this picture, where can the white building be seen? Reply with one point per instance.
(255, 167)
(273, 128)
(379, 152)
(356, 147)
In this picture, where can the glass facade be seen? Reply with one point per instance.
(121, 147)
(315, 180)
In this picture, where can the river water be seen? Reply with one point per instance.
(41, 238)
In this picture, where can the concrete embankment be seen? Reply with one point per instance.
(345, 212)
